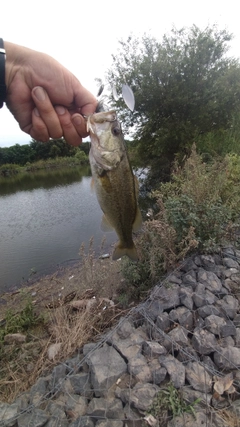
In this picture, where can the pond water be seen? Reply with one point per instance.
(44, 219)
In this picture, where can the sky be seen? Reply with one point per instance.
(83, 34)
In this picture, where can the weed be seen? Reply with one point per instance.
(19, 322)
(170, 401)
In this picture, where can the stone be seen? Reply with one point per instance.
(199, 419)
(35, 418)
(230, 263)
(227, 358)
(8, 412)
(229, 306)
(106, 366)
(82, 422)
(183, 316)
(188, 265)
(138, 367)
(190, 395)
(169, 297)
(154, 308)
(81, 384)
(158, 372)
(185, 295)
(237, 337)
(208, 310)
(58, 374)
(53, 350)
(214, 324)
(203, 296)
(179, 337)
(15, 338)
(75, 406)
(105, 408)
(228, 329)
(190, 279)
(210, 280)
(175, 369)
(163, 322)
(109, 423)
(142, 395)
(88, 347)
(125, 329)
(203, 341)
(198, 377)
(153, 349)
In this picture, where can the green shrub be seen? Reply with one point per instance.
(197, 209)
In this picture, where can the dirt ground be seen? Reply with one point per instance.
(102, 276)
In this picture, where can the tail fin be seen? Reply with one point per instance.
(119, 252)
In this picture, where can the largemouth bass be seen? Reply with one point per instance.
(116, 186)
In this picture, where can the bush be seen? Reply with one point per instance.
(197, 209)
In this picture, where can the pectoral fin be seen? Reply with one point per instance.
(105, 226)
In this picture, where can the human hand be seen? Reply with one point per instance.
(44, 97)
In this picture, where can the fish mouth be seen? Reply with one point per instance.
(99, 118)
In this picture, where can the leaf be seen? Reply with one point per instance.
(224, 384)
(128, 97)
(100, 90)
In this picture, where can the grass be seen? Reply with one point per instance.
(169, 403)
(46, 316)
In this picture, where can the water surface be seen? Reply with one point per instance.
(44, 219)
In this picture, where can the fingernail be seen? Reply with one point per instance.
(77, 120)
(39, 92)
(60, 110)
(36, 112)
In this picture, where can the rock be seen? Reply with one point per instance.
(198, 377)
(125, 329)
(185, 295)
(228, 305)
(142, 395)
(203, 296)
(88, 347)
(106, 366)
(208, 310)
(138, 367)
(76, 406)
(36, 418)
(53, 350)
(81, 384)
(189, 279)
(214, 324)
(199, 419)
(227, 358)
(153, 349)
(15, 338)
(175, 369)
(169, 297)
(58, 374)
(105, 408)
(230, 263)
(179, 336)
(183, 316)
(7, 412)
(82, 422)
(203, 341)
(107, 423)
(158, 372)
(154, 308)
(163, 322)
(209, 280)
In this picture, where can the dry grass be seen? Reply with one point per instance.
(22, 364)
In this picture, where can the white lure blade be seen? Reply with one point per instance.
(128, 97)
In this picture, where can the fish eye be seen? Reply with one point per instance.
(116, 130)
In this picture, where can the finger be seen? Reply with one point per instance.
(80, 124)
(38, 129)
(70, 132)
(47, 112)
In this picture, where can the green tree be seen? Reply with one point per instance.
(184, 86)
